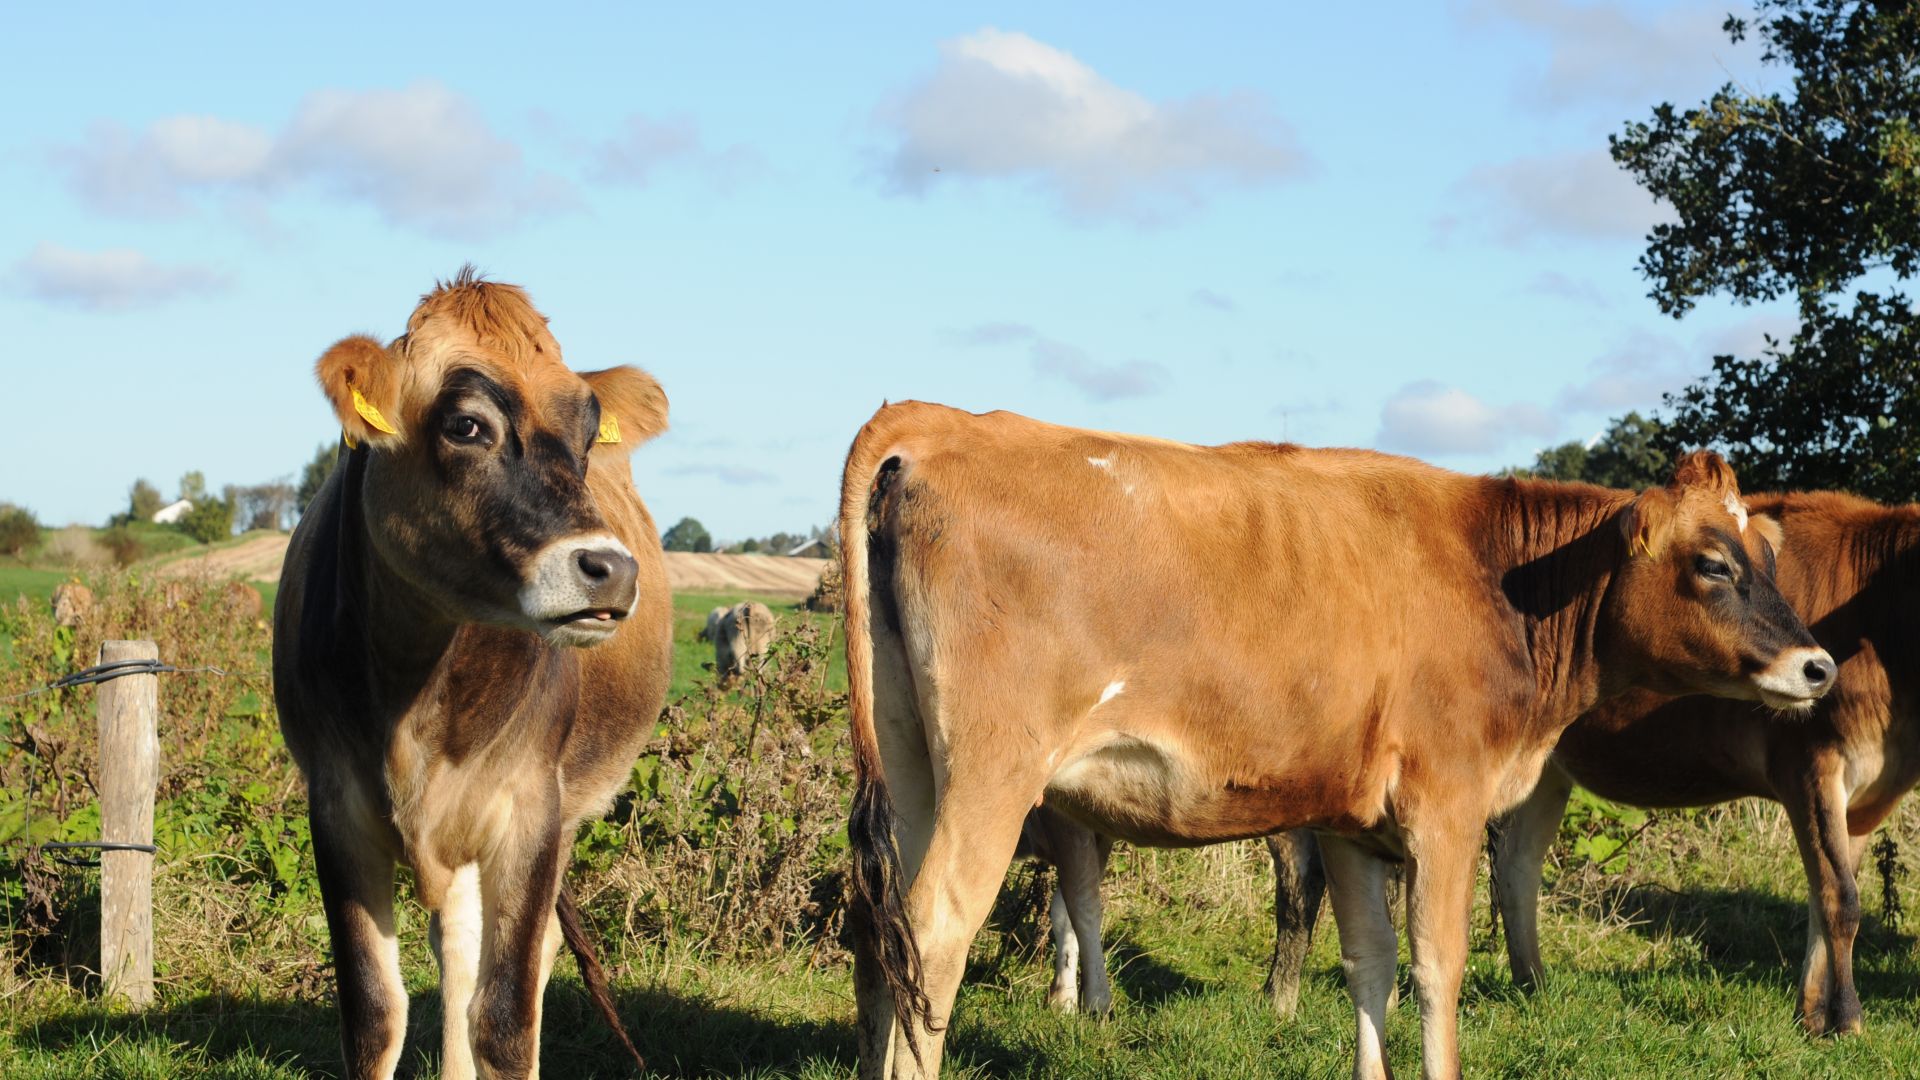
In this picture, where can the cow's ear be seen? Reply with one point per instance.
(362, 379)
(1647, 522)
(1772, 536)
(633, 408)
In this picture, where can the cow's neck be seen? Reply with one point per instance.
(1553, 548)
(1884, 563)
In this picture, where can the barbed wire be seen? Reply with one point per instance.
(118, 669)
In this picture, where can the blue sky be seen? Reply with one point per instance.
(1327, 223)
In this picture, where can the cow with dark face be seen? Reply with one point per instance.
(471, 643)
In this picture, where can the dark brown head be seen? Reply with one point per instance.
(1694, 608)
(479, 441)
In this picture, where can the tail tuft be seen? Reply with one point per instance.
(592, 973)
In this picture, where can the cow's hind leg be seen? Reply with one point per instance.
(1519, 853)
(974, 834)
(356, 886)
(1357, 884)
(1299, 881)
(1064, 994)
(519, 886)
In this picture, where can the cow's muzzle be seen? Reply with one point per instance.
(579, 589)
(1797, 678)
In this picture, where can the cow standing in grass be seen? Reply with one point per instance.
(1409, 643)
(741, 639)
(471, 644)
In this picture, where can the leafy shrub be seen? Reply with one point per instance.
(1599, 832)
(74, 547)
(123, 544)
(19, 529)
(208, 521)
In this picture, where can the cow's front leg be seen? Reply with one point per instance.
(1813, 791)
(356, 886)
(519, 886)
(1442, 855)
(1519, 854)
(1357, 885)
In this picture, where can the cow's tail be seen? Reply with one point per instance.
(878, 914)
(592, 973)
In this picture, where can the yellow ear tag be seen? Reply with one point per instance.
(609, 428)
(348, 439)
(370, 414)
(1641, 547)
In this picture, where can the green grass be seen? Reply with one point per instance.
(1687, 970)
(31, 582)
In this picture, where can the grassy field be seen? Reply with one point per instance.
(1678, 957)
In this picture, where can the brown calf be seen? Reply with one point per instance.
(1852, 570)
(430, 667)
(1422, 638)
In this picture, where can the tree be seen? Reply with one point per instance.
(1808, 196)
(209, 520)
(264, 506)
(687, 535)
(19, 529)
(143, 501)
(1629, 454)
(315, 474)
(193, 486)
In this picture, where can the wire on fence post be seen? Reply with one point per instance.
(128, 709)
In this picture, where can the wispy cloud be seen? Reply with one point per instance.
(1207, 298)
(644, 146)
(1001, 105)
(1058, 360)
(1428, 417)
(108, 280)
(1610, 53)
(737, 475)
(422, 157)
(1580, 195)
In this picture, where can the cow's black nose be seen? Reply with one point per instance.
(1818, 671)
(608, 575)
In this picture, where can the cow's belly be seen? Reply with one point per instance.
(1152, 790)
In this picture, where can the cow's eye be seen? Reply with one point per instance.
(1709, 567)
(465, 429)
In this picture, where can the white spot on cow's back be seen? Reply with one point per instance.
(1112, 691)
(1100, 462)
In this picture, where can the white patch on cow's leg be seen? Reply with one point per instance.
(1112, 691)
(549, 950)
(1357, 885)
(1064, 994)
(1519, 851)
(454, 933)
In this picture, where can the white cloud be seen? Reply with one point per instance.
(1002, 105)
(1099, 382)
(1609, 53)
(1567, 287)
(1431, 418)
(423, 157)
(993, 333)
(1582, 194)
(108, 280)
(645, 145)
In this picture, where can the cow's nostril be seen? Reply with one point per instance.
(595, 564)
(1818, 671)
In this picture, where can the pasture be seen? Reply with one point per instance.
(715, 890)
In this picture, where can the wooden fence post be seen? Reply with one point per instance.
(129, 708)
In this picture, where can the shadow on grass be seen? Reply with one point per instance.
(1147, 980)
(1754, 935)
(219, 1027)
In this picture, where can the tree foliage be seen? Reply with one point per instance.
(1629, 454)
(210, 519)
(143, 501)
(193, 485)
(1810, 195)
(19, 529)
(315, 474)
(687, 535)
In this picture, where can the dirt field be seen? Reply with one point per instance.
(259, 559)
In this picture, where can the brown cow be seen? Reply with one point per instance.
(1422, 637)
(432, 667)
(1852, 570)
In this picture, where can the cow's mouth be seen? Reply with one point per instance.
(591, 619)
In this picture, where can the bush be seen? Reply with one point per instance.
(75, 548)
(208, 521)
(19, 530)
(123, 545)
